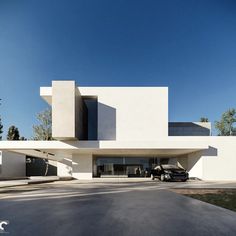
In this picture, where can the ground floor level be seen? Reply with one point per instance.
(206, 158)
(215, 162)
(125, 166)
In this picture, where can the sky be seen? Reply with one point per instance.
(187, 45)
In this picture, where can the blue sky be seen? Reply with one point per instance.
(187, 45)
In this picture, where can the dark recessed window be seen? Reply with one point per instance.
(92, 117)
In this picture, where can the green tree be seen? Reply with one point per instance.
(226, 124)
(43, 131)
(13, 133)
(204, 119)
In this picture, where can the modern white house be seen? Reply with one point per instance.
(112, 131)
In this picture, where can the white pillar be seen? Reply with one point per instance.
(82, 166)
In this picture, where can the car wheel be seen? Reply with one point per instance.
(152, 177)
(162, 177)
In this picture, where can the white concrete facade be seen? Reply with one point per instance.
(137, 114)
(131, 122)
(82, 166)
(124, 113)
(217, 162)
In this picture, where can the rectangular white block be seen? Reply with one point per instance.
(63, 110)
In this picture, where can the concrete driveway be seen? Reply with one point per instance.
(138, 208)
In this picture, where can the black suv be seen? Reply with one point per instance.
(169, 173)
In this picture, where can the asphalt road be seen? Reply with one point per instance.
(110, 209)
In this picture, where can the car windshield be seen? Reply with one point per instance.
(168, 167)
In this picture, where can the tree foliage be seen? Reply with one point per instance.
(43, 131)
(13, 133)
(226, 124)
(204, 119)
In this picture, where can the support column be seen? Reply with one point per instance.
(82, 166)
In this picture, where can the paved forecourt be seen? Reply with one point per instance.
(115, 208)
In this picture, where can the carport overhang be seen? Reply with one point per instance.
(58, 150)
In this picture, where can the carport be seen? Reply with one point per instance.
(77, 158)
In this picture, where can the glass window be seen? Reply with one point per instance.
(126, 166)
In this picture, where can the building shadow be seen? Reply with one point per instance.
(194, 159)
(106, 122)
(211, 152)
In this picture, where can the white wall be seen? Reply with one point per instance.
(195, 165)
(216, 163)
(219, 163)
(82, 166)
(64, 168)
(12, 164)
(130, 113)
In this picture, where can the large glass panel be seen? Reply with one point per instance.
(125, 166)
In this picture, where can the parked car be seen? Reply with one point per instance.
(169, 173)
